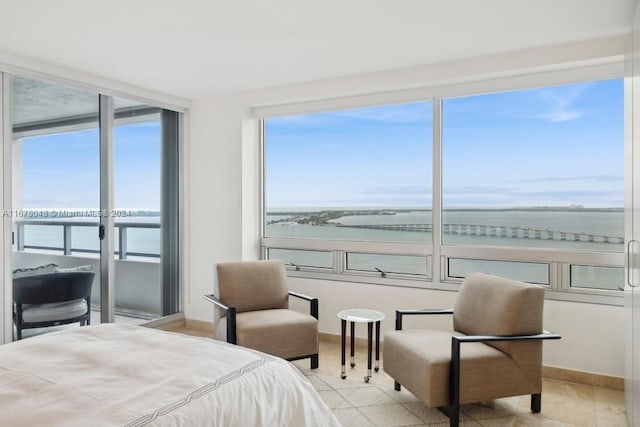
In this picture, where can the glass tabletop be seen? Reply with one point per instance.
(361, 315)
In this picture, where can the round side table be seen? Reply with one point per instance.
(361, 315)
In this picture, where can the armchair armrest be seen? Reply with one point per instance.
(231, 317)
(545, 335)
(313, 302)
(216, 301)
(454, 386)
(400, 313)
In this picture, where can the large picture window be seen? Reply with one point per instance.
(359, 174)
(527, 184)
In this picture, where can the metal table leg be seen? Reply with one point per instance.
(344, 339)
(353, 338)
(369, 350)
(377, 368)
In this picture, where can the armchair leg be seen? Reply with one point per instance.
(314, 361)
(454, 416)
(396, 386)
(536, 403)
(453, 413)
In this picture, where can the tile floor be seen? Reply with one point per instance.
(376, 403)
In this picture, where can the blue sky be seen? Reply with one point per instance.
(554, 146)
(61, 171)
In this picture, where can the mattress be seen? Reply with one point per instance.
(112, 375)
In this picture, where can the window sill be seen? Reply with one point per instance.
(585, 296)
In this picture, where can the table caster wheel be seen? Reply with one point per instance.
(343, 376)
(366, 379)
(376, 369)
(353, 364)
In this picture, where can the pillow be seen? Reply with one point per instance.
(74, 269)
(32, 271)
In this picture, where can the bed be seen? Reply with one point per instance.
(112, 375)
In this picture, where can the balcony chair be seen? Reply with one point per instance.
(52, 299)
(493, 351)
(255, 297)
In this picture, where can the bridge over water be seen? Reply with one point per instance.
(515, 232)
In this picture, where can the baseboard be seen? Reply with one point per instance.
(199, 325)
(336, 339)
(587, 378)
(167, 323)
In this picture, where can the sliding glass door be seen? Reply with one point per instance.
(137, 208)
(632, 286)
(95, 187)
(55, 182)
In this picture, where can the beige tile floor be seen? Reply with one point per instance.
(376, 403)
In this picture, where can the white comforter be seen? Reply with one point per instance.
(108, 375)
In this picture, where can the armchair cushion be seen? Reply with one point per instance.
(253, 285)
(33, 313)
(492, 305)
(281, 332)
(88, 267)
(420, 361)
(33, 271)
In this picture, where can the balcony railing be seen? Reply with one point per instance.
(67, 228)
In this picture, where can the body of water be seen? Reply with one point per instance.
(587, 222)
(351, 225)
(605, 227)
(140, 240)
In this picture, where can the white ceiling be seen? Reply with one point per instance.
(196, 48)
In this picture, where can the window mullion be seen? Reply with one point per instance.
(436, 206)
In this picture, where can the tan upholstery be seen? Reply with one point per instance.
(280, 332)
(253, 285)
(259, 293)
(486, 305)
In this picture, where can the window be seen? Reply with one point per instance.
(387, 264)
(305, 259)
(535, 168)
(531, 186)
(360, 175)
(547, 173)
(524, 271)
(589, 276)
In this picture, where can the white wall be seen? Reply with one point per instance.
(223, 212)
(592, 335)
(214, 211)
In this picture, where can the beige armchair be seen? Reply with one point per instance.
(499, 321)
(255, 298)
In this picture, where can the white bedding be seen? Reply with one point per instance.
(108, 375)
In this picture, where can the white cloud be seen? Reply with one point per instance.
(559, 103)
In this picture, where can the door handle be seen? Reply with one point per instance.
(101, 232)
(630, 262)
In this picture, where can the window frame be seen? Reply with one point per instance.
(437, 254)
